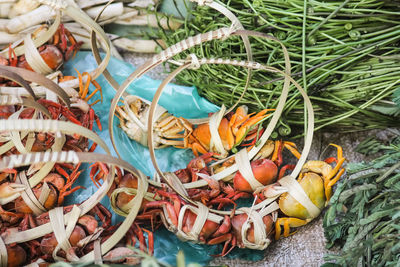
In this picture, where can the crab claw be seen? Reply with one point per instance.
(248, 122)
(34, 168)
(273, 190)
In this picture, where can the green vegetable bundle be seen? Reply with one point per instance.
(345, 53)
(364, 216)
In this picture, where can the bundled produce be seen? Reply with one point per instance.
(363, 219)
(20, 17)
(344, 53)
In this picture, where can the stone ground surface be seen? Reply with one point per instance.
(307, 246)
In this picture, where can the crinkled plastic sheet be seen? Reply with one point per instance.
(178, 100)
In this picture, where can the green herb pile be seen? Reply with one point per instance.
(364, 214)
(347, 52)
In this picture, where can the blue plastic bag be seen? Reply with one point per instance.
(178, 100)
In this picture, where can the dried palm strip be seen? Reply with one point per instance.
(172, 51)
(293, 187)
(22, 7)
(194, 62)
(10, 75)
(75, 157)
(155, 61)
(54, 126)
(16, 125)
(41, 80)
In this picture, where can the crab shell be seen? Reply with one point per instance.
(313, 186)
(265, 171)
(239, 220)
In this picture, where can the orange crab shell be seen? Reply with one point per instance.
(51, 201)
(208, 229)
(264, 170)
(49, 242)
(50, 54)
(129, 181)
(238, 222)
(203, 135)
(16, 255)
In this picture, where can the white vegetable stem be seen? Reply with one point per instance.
(22, 7)
(5, 8)
(6, 38)
(113, 10)
(89, 3)
(152, 21)
(34, 17)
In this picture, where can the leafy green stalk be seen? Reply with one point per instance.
(344, 52)
(363, 219)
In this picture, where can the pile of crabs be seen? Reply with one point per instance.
(47, 126)
(48, 139)
(204, 209)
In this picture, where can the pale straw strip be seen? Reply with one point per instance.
(95, 50)
(37, 78)
(126, 224)
(44, 194)
(261, 240)
(52, 126)
(62, 233)
(57, 223)
(30, 140)
(244, 167)
(33, 57)
(124, 210)
(201, 218)
(10, 100)
(8, 73)
(213, 124)
(15, 136)
(269, 209)
(177, 184)
(10, 144)
(154, 62)
(15, 161)
(3, 253)
(48, 166)
(97, 252)
(29, 197)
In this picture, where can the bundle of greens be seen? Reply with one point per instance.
(345, 53)
(364, 214)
